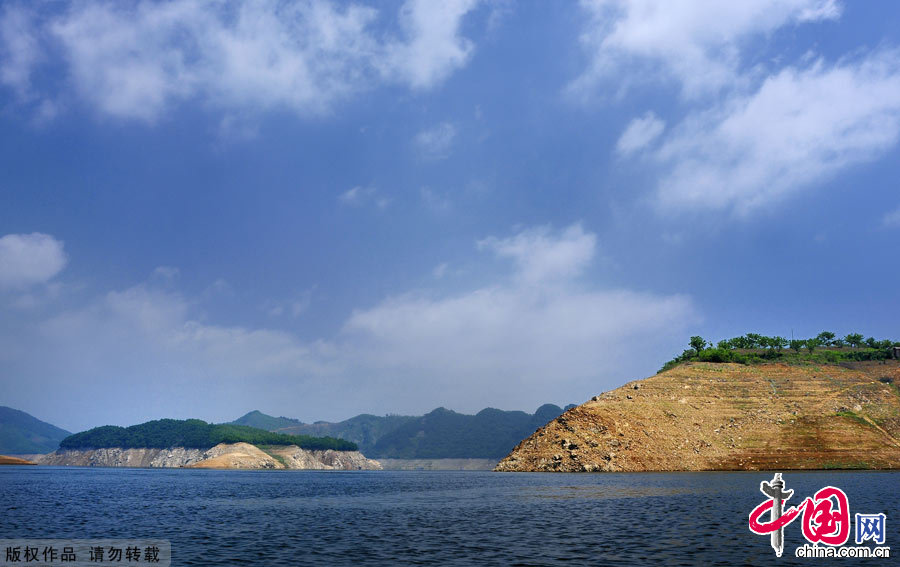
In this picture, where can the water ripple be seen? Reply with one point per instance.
(277, 518)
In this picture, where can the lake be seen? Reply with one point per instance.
(276, 518)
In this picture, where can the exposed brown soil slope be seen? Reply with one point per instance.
(4, 460)
(237, 456)
(704, 416)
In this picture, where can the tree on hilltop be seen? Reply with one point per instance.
(698, 343)
(754, 340)
(825, 338)
(854, 339)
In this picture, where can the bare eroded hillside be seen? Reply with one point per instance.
(706, 416)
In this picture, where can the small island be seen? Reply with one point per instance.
(745, 404)
(197, 444)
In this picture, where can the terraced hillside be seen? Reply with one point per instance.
(709, 416)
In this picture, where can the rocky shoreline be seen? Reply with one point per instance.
(222, 456)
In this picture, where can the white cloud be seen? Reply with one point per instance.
(436, 143)
(891, 219)
(696, 43)
(640, 133)
(800, 127)
(433, 48)
(542, 256)
(541, 336)
(750, 137)
(356, 195)
(359, 196)
(19, 49)
(137, 60)
(28, 259)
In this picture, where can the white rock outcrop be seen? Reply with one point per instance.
(224, 455)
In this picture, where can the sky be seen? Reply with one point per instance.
(318, 209)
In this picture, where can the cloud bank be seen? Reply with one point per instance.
(802, 126)
(695, 43)
(138, 60)
(538, 333)
(754, 132)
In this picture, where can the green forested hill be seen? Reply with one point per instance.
(364, 429)
(260, 420)
(193, 433)
(21, 433)
(445, 434)
(440, 434)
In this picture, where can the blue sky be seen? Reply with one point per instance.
(320, 209)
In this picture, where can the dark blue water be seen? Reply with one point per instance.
(276, 518)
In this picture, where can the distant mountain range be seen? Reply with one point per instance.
(21, 433)
(440, 434)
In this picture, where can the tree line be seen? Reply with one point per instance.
(823, 339)
(194, 434)
(754, 347)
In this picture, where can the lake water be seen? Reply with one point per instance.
(276, 518)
